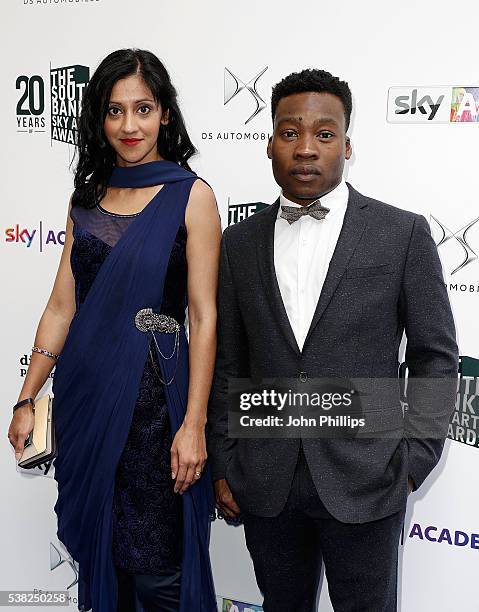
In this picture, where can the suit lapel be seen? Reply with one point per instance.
(355, 221)
(265, 258)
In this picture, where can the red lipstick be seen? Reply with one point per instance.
(131, 142)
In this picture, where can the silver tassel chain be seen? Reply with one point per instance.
(176, 349)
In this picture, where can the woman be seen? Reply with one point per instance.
(130, 396)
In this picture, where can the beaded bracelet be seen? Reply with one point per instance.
(41, 351)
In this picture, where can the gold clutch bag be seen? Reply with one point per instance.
(40, 445)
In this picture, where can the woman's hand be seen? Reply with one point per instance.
(188, 455)
(20, 428)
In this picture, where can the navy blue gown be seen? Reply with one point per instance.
(107, 480)
(147, 514)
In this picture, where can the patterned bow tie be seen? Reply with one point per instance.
(293, 213)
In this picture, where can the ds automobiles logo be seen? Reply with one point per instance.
(461, 237)
(233, 85)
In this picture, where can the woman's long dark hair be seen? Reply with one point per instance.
(95, 155)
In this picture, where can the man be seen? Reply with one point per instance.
(327, 294)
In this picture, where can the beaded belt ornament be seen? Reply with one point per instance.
(148, 321)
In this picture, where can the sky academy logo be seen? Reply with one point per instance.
(66, 88)
(442, 535)
(41, 236)
(433, 104)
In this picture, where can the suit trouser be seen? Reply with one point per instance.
(288, 550)
(148, 592)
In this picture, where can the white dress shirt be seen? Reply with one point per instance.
(302, 252)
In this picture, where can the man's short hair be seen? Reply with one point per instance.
(313, 80)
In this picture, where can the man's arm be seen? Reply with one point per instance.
(431, 353)
(231, 362)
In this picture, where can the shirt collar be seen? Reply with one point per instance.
(335, 200)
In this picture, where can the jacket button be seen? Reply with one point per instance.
(303, 377)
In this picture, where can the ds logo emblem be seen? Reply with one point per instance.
(233, 85)
(57, 558)
(459, 237)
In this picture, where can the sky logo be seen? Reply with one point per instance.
(433, 104)
(42, 236)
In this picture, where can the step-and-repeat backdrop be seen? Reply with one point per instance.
(413, 72)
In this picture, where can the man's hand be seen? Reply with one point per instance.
(225, 500)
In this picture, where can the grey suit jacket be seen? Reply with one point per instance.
(384, 279)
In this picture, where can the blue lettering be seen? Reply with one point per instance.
(445, 535)
(51, 237)
(416, 531)
(30, 237)
(456, 538)
(427, 531)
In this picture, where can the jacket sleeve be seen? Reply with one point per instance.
(431, 353)
(231, 362)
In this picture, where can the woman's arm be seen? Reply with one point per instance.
(188, 452)
(51, 334)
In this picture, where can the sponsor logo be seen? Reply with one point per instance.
(45, 469)
(462, 288)
(57, 2)
(464, 252)
(237, 94)
(60, 556)
(40, 235)
(443, 535)
(233, 85)
(66, 87)
(31, 104)
(231, 605)
(25, 362)
(433, 104)
(235, 136)
(465, 105)
(238, 212)
(464, 424)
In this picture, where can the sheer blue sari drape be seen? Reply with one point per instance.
(95, 389)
